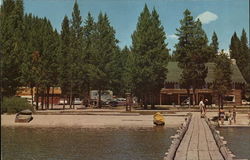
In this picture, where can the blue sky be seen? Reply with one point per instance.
(222, 16)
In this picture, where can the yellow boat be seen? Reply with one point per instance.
(159, 119)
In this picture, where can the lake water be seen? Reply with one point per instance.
(85, 144)
(238, 141)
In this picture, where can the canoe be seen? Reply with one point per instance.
(24, 116)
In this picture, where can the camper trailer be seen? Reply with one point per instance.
(106, 96)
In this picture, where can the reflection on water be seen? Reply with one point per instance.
(238, 141)
(85, 144)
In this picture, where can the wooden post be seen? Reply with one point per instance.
(178, 95)
(128, 102)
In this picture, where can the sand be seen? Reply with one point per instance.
(91, 121)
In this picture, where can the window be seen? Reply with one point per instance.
(176, 86)
(229, 98)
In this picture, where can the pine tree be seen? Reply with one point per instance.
(244, 58)
(234, 46)
(149, 57)
(222, 74)
(239, 50)
(214, 46)
(76, 54)
(104, 50)
(64, 59)
(12, 46)
(89, 30)
(192, 53)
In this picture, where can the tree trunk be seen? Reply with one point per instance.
(64, 102)
(194, 97)
(222, 101)
(145, 102)
(189, 96)
(219, 101)
(37, 98)
(42, 101)
(70, 94)
(52, 98)
(218, 108)
(31, 91)
(47, 98)
(99, 103)
(152, 102)
(73, 97)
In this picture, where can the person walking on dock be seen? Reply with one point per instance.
(202, 108)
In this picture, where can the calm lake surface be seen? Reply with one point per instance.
(85, 144)
(238, 141)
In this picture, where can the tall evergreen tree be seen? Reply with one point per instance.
(104, 50)
(244, 58)
(149, 56)
(64, 59)
(89, 30)
(12, 47)
(76, 54)
(192, 53)
(214, 46)
(239, 50)
(234, 46)
(223, 72)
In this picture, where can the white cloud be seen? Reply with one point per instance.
(173, 36)
(207, 17)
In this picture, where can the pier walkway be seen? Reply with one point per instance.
(198, 143)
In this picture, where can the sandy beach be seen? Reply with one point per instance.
(109, 119)
(91, 121)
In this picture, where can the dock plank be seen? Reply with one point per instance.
(198, 143)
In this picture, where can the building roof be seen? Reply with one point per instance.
(174, 73)
(25, 91)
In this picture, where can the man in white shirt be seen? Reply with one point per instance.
(202, 109)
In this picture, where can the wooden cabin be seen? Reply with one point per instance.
(173, 93)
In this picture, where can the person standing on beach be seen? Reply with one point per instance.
(221, 116)
(234, 114)
(230, 117)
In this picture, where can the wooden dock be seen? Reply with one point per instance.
(198, 142)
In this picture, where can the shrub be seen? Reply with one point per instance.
(14, 105)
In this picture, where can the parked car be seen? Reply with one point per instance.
(61, 102)
(245, 102)
(121, 101)
(113, 103)
(77, 101)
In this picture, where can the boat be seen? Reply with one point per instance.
(159, 119)
(24, 116)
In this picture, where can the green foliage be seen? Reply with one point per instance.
(12, 105)
(192, 52)
(214, 47)
(64, 56)
(240, 51)
(104, 52)
(11, 40)
(149, 57)
(222, 74)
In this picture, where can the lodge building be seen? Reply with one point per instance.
(172, 93)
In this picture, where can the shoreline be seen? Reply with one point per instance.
(91, 121)
(109, 119)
